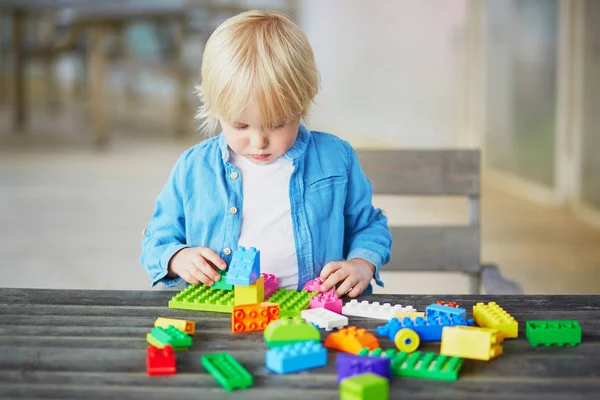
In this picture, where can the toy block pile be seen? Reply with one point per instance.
(291, 322)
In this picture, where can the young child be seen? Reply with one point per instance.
(299, 197)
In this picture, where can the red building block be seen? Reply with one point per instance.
(160, 361)
(253, 317)
(329, 301)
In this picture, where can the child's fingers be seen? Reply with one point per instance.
(328, 269)
(358, 289)
(333, 279)
(205, 269)
(346, 286)
(213, 258)
(188, 277)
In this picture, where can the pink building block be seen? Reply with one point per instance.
(313, 285)
(271, 284)
(329, 301)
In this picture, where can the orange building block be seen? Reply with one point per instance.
(253, 317)
(351, 340)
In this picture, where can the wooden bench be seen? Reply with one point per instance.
(436, 248)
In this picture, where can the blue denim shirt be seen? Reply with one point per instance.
(330, 197)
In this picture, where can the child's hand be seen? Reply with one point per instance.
(196, 264)
(356, 275)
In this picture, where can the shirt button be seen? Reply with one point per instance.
(234, 175)
(233, 210)
(224, 156)
(227, 251)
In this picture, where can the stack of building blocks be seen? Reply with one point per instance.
(171, 336)
(324, 318)
(429, 329)
(251, 294)
(271, 284)
(329, 301)
(181, 324)
(296, 357)
(373, 310)
(553, 332)
(229, 373)
(365, 387)
(253, 317)
(203, 298)
(222, 283)
(351, 340)
(493, 316)
(407, 340)
(290, 331)
(349, 365)
(244, 268)
(471, 342)
(437, 310)
(291, 302)
(160, 361)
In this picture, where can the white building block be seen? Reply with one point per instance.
(324, 318)
(373, 310)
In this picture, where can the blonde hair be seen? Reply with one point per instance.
(260, 56)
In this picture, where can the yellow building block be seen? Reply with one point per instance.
(181, 324)
(410, 314)
(471, 342)
(493, 316)
(252, 294)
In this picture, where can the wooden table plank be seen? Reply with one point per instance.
(91, 344)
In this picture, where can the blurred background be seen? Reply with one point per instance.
(97, 102)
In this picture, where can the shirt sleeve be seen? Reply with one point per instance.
(165, 233)
(367, 235)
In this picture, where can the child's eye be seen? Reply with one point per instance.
(240, 127)
(279, 126)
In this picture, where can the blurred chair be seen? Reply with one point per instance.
(436, 248)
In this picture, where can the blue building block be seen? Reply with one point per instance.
(437, 310)
(296, 357)
(244, 268)
(429, 329)
(349, 365)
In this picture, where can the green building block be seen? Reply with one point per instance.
(157, 343)
(280, 343)
(172, 336)
(553, 332)
(227, 371)
(291, 302)
(203, 298)
(287, 329)
(222, 283)
(365, 387)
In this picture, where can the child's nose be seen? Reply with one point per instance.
(259, 140)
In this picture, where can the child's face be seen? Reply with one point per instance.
(246, 137)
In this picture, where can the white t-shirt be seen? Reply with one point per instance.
(267, 217)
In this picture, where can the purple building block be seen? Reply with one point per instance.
(329, 301)
(349, 365)
(271, 284)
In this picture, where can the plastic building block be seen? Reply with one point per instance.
(373, 310)
(229, 373)
(291, 302)
(296, 357)
(171, 336)
(181, 324)
(494, 316)
(271, 284)
(351, 340)
(253, 317)
(428, 365)
(244, 268)
(449, 304)
(288, 330)
(349, 365)
(222, 283)
(365, 387)
(313, 285)
(553, 332)
(428, 329)
(160, 361)
(400, 315)
(251, 294)
(471, 342)
(329, 301)
(324, 318)
(407, 340)
(436, 310)
(203, 298)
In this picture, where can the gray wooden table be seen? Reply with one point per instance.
(91, 344)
